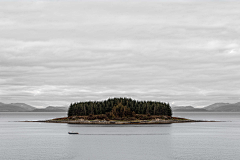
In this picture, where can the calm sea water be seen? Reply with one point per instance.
(183, 141)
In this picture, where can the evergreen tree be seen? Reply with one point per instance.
(103, 107)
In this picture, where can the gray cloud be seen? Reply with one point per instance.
(56, 52)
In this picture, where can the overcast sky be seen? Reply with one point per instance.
(185, 52)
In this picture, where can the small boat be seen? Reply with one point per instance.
(72, 132)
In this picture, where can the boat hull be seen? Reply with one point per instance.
(72, 133)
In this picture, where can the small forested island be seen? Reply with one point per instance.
(119, 111)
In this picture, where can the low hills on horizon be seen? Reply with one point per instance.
(22, 107)
(216, 107)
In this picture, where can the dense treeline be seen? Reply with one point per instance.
(106, 106)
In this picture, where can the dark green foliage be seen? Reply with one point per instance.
(120, 111)
(105, 107)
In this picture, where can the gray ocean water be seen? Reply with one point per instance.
(183, 141)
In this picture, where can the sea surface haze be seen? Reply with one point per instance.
(180, 141)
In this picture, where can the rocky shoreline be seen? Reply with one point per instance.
(116, 122)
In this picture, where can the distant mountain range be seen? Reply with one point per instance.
(188, 109)
(216, 107)
(22, 107)
(52, 109)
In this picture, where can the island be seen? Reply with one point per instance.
(119, 111)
